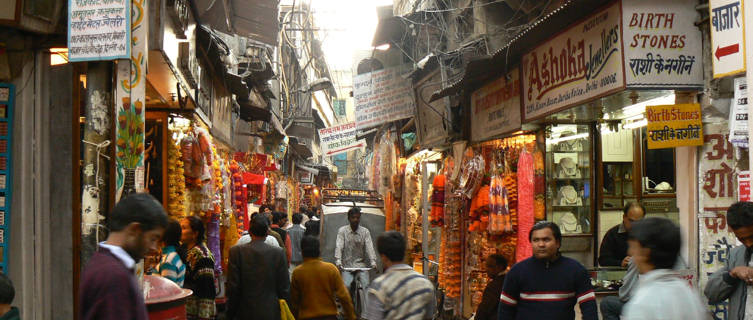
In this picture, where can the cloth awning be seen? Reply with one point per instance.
(253, 19)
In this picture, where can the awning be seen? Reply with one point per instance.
(478, 72)
(252, 112)
(306, 168)
(250, 178)
(301, 148)
(254, 19)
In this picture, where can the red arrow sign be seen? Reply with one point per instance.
(725, 51)
(346, 148)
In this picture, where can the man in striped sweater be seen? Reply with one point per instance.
(399, 293)
(547, 285)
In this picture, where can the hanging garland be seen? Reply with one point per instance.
(176, 180)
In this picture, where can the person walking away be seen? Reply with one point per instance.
(108, 287)
(199, 271)
(400, 292)
(354, 249)
(171, 266)
(312, 227)
(257, 277)
(7, 293)
(496, 265)
(735, 280)
(547, 285)
(662, 294)
(613, 251)
(246, 237)
(315, 285)
(278, 220)
(296, 235)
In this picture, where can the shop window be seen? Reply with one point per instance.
(658, 169)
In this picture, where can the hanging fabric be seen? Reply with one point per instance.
(437, 201)
(525, 204)
(539, 183)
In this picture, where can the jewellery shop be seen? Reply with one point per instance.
(592, 108)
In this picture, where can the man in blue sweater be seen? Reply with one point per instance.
(547, 285)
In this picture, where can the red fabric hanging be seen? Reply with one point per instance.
(525, 205)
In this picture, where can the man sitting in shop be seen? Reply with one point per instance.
(614, 246)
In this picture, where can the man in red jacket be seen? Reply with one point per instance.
(108, 288)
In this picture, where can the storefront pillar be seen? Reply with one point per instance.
(686, 173)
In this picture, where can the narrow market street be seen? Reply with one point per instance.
(375, 159)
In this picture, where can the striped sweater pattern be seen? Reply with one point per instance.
(404, 293)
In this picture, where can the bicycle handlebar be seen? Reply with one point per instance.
(357, 269)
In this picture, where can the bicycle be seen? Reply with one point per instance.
(357, 290)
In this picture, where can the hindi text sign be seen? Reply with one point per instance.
(99, 30)
(383, 96)
(339, 139)
(495, 107)
(727, 43)
(674, 125)
(579, 64)
(662, 44)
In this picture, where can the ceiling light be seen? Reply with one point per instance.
(636, 124)
(573, 137)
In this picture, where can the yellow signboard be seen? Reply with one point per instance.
(674, 125)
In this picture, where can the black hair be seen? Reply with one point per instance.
(172, 233)
(138, 207)
(354, 210)
(259, 226)
(310, 247)
(547, 224)
(312, 228)
(7, 292)
(392, 245)
(265, 206)
(500, 260)
(634, 204)
(278, 217)
(740, 214)
(197, 226)
(661, 236)
(297, 218)
(303, 209)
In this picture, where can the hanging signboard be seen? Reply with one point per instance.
(431, 117)
(339, 139)
(579, 64)
(743, 186)
(738, 113)
(727, 37)
(674, 125)
(99, 30)
(662, 44)
(383, 96)
(495, 107)
(7, 100)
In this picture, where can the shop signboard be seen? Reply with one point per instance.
(7, 101)
(99, 30)
(727, 37)
(716, 192)
(383, 96)
(495, 107)
(431, 117)
(738, 113)
(662, 44)
(339, 139)
(583, 62)
(743, 186)
(674, 125)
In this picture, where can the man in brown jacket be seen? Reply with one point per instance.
(496, 265)
(315, 284)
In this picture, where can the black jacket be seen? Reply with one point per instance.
(487, 309)
(257, 278)
(613, 247)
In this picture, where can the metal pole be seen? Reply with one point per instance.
(424, 216)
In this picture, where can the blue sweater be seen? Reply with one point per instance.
(537, 289)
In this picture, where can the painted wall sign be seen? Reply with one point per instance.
(495, 107)
(727, 41)
(662, 44)
(581, 63)
(674, 125)
(383, 96)
(339, 139)
(99, 30)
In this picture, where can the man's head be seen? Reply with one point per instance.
(354, 217)
(632, 212)
(138, 221)
(297, 218)
(495, 264)
(654, 243)
(7, 292)
(278, 218)
(173, 233)
(192, 231)
(391, 247)
(265, 208)
(310, 247)
(546, 239)
(259, 226)
(740, 219)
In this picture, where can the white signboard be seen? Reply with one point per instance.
(581, 63)
(662, 44)
(495, 107)
(383, 96)
(727, 43)
(339, 139)
(738, 124)
(99, 30)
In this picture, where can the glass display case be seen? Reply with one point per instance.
(569, 178)
(618, 188)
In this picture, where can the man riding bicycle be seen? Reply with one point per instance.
(354, 249)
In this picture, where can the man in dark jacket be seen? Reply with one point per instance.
(613, 251)
(496, 265)
(108, 288)
(257, 277)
